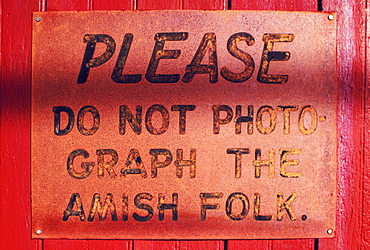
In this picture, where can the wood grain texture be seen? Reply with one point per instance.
(205, 5)
(113, 5)
(366, 186)
(180, 4)
(353, 175)
(15, 125)
(68, 5)
(61, 5)
(353, 219)
(159, 5)
(87, 244)
(290, 5)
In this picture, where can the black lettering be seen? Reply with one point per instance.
(88, 61)
(258, 163)
(96, 207)
(285, 163)
(135, 123)
(268, 55)
(182, 115)
(204, 206)
(134, 156)
(285, 205)
(106, 165)
(155, 153)
(272, 116)
(286, 110)
(229, 206)
(180, 163)
(87, 166)
(74, 200)
(239, 119)
(165, 119)
(238, 159)
(80, 120)
(241, 55)
(301, 120)
(257, 205)
(217, 121)
(57, 110)
(159, 53)
(117, 75)
(208, 43)
(148, 208)
(163, 206)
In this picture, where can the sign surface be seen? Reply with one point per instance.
(183, 125)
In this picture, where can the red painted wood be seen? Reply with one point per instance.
(61, 5)
(249, 244)
(366, 186)
(206, 5)
(113, 5)
(68, 5)
(353, 220)
(179, 245)
(159, 5)
(353, 169)
(300, 5)
(290, 5)
(87, 244)
(201, 245)
(15, 125)
(271, 244)
(180, 4)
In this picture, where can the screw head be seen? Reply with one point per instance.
(38, 19)
(38, 231)
(330, 231)
(331, 17)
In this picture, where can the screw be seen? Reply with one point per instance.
(330, 231)
(330, 17)
(38, 231)
(38, 19)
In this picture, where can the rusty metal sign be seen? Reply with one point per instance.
(183, 125)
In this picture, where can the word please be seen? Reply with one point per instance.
(207, 45)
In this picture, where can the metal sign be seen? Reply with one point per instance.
(183, 125)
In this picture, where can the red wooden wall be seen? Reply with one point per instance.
(353, 208)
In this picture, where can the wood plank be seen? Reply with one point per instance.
(69, 5)
(15, 101)
(249, 244)
(302, 244)
(178, 4)
(202, 245)
(113, 5)
(286, 5)
(62, 5)
(306, 5)
(206, 5)
(366, 186)
(353, 174)
(159, 5)
(87, 244)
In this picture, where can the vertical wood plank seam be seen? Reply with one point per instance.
(42, 5)
(349, 150)
(364, 240)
